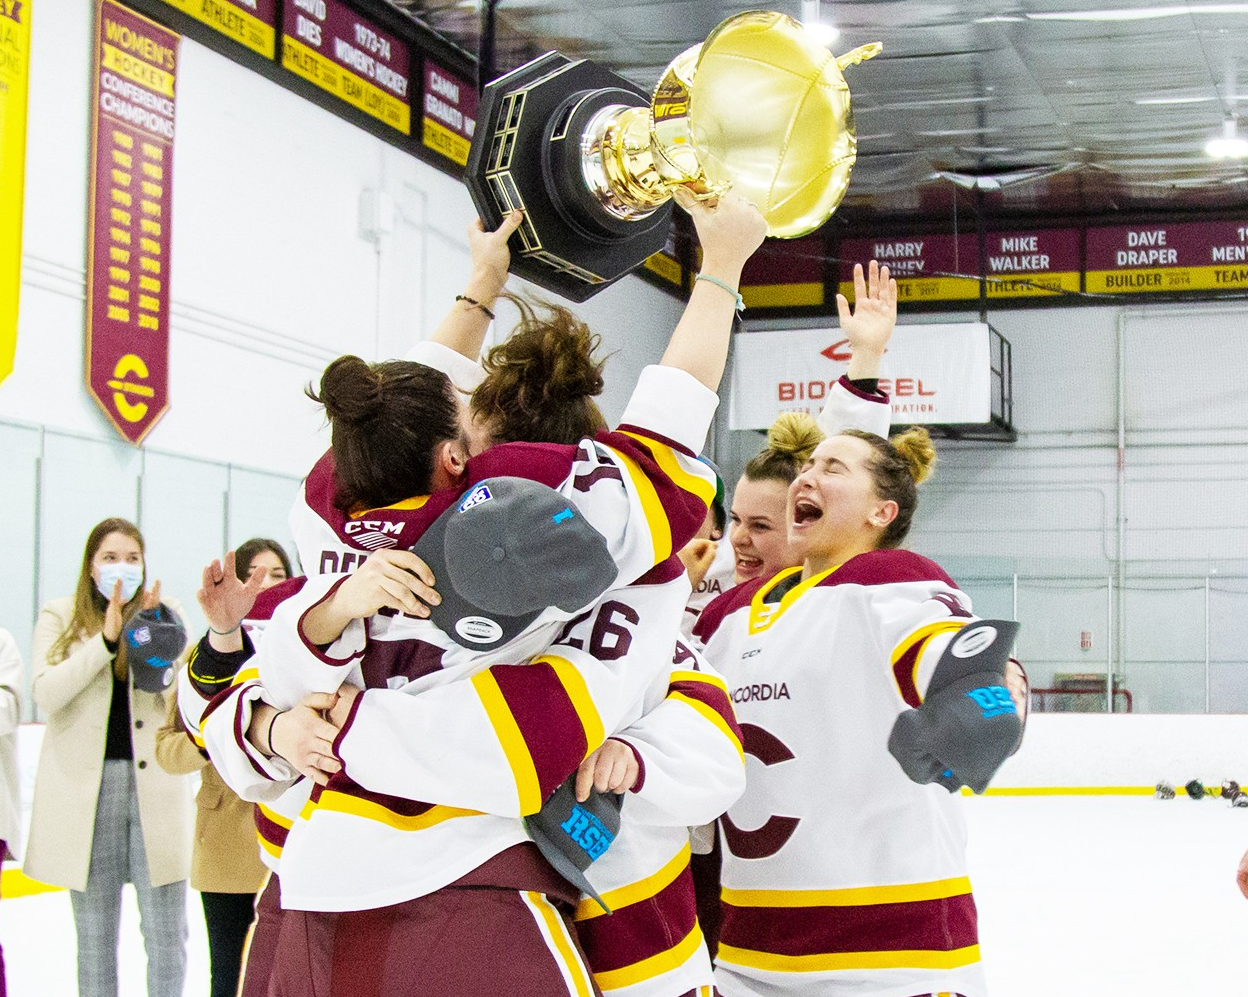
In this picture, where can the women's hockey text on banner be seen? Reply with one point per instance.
(935, 374)
(131, 197)
(14, 78)
(344, 53)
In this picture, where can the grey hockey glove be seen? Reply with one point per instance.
(967, 725)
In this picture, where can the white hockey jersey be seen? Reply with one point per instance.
(841, 876)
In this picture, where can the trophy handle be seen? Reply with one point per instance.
(859, 55)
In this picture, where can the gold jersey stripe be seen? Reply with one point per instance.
(856, 896)
(335, 802)
(656, 965)
(573, 683)
(712, 716)
(715, 680)
(511, 740)
(563, 943)
(651, 507)
(669, 463)
(636, 892)
(828, 961)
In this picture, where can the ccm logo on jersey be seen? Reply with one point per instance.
(373, 534)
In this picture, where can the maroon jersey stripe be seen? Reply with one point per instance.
(548, 721)
(641, 930)
(922, 925)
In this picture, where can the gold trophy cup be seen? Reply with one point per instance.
(759, 107)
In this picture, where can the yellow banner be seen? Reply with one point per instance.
(928, 289)
(137, 70)
(328, 75)
(246, 29)
(1031, 285)
(441, 139)
(14, 81)
(1223, 278)
(782, 295)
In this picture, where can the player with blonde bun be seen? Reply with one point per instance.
(757, 534)
(842, 874)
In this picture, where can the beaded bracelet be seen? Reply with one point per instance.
(475, 304)
(727, 287)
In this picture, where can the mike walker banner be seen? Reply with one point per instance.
(131, 196)
(14, 77)
(935, 374)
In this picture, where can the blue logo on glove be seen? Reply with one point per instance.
(993, 700)
(588, 832)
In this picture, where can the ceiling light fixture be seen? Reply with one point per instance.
(1140, 13)
(823, 32)
(1230, 144)
(1151, 101)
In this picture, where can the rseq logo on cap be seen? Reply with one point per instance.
(140, 636)
(475, 497)
(587, 831)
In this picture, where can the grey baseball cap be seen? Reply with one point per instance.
(154, 638)
(571, 835)
(508, 550)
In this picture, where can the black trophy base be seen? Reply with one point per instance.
(527, 154)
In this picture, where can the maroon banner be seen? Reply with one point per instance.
(131, 197)
(1032, 262)
(345, 54)
(450, 117)
(926, 266)
(1163, 258)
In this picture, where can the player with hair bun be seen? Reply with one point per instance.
(870, 693)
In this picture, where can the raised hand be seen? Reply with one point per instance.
(870, 324)
(491, 257)
(729, 229)
(225, 600)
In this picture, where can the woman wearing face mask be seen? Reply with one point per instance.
(104, 813)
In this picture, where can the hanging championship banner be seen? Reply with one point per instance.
(131, 196)
(14, 77)
(934, 374)
(927, 267)
(1032, 263)
(1179, 256)
(344, 53)
(450, 118)
(251, 23)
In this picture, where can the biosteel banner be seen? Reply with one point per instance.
(934, 374)
(14, 77)
(131, 196)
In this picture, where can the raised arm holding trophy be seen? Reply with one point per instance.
(760, 107)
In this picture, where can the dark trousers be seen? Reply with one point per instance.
(228, 916)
